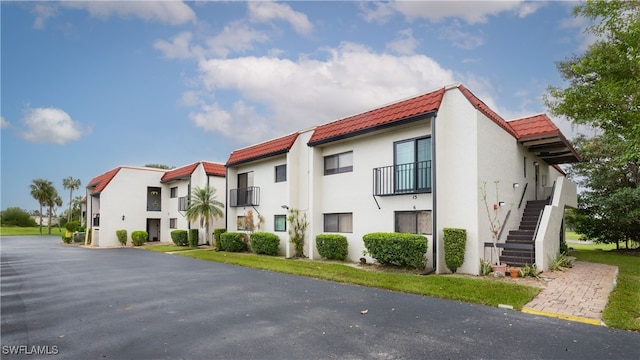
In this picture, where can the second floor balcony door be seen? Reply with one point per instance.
(245, 187)
(412, 162)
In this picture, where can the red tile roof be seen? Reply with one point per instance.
(270, 148)
(384, 116)
(534, 126)
(179, 173)
(99, 182)
(214, 169)
(483, 108)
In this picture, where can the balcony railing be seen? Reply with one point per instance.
(249, 196)
(401, 179)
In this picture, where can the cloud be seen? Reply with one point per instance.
(471, 11)
(405, 44)
(459, 38)
(297, 94)
(4, 123)
(167, 12)
(50, 125)
(266, 11)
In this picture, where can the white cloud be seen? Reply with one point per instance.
(378, 12)
(50, 125)
(294, 95)
(179, 47)
(460, 38)
(405, 44)
(167, 12)
(266, 11)
(42, 13)
(471, 11)
(235, 37)
(4, 123)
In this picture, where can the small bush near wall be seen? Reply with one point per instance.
(194, 236)
(179, 237)
(72, 226)
(265, 243)
(139, 237)
(332, 246)
(216, 236)
(122, 236)
(405, 250)
(455, 244)
(233, 242)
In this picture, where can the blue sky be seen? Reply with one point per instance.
(89, 86)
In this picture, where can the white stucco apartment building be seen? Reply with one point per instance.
(416, 166)
(149, 199)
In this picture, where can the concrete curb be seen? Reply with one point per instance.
(564, 317)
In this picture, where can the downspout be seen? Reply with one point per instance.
(434, 192)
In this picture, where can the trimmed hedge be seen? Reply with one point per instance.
(405, 250)
(216, 236)
(122, 236)
(72, 226)
(455, 243)
(194, 237)
(139, 237)
(265, 243)
(232, 242)
(179, 237)
(332, 246)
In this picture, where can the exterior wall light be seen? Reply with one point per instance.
(122, 217)
(285, 207)
(501, 203)
(515, 185)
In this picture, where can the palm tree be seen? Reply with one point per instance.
(53, 201)
(41, 190)
(71, 184)
(204, 206)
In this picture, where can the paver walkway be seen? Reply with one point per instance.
(580, 293)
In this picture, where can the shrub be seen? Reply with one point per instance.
(529, 270)
(455, 243)
(216, 236)
(406, 250)
(122, 236)
(66, 238)
(194, 237)
(15, 216)
(485, 267)
(139, 237)
(179, 237)
(265, 243)
(332, 246)
(72, 226)
(233, 242)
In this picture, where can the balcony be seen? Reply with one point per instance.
(411, 178)
(249, 196)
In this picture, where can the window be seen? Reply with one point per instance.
(414, 222)
(342, 222)
(525, 166)
(173, 192)
(245, 189)
(241, 223)
(339, 163)
(182, 203)
(412, 162)
(154, 199)
(280, 223)
(173, 223)
(281, 173)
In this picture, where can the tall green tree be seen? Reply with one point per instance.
(42, 191)
(71, 184)
(204, 206)
(603, 92)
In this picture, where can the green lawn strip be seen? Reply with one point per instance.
(19, 231)
(473, 290)
(623, 308)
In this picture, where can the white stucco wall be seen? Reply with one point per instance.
(126, 195)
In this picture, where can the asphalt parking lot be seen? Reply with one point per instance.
(76, 303)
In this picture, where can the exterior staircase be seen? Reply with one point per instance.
(519, 248)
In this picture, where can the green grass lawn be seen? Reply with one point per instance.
(16, 231)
